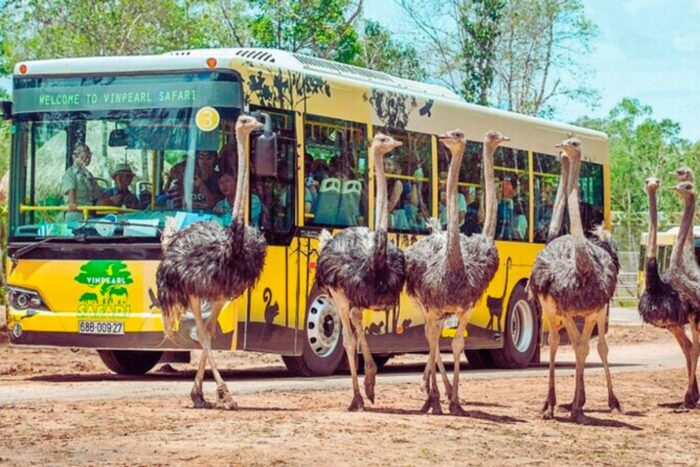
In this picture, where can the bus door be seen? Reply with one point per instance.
(268, 316)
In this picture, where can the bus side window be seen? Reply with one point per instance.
(547, 174)
(512, 194)
(591, 195)
(335, 167)
(469, 191)
(409, 173)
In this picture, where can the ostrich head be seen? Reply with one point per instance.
(685, 190)
(570, 148)
(246, 124)
(383, 144)
(454, 140)
(493, 139)
(683, 174)
(651, 184)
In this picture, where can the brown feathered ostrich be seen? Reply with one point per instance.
(361, 269)
(447, 272)
(684, 272)
(205, 261)
(576, 276)
(662, 306)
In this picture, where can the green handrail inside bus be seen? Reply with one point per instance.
(44, 210)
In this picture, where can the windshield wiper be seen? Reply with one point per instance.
(14, 257)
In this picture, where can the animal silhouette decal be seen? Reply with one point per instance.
(495, 304)
(271, 309)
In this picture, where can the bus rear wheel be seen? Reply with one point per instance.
(129, 362)
(322, 350)
(521, 332)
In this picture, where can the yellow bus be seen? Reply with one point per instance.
(85, 277)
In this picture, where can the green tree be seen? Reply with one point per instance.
(323, 28)
(383, 53)
(539, 56)
(642, 146)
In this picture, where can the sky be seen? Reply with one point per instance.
(647, 49)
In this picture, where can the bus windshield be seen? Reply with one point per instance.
(114, 156)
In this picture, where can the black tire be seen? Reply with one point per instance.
(327, 353)
(130, 362)
(521, 333)
(479, 359)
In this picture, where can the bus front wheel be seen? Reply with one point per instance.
(521, 332)
(322, 351)
(129, 362)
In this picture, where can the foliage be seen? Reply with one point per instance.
(539, 54)
(324, 28)
(381, 52)
(522, 55)
(641, 146)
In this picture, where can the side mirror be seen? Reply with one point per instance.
(6, 107)
(265, 157)
(119, 137)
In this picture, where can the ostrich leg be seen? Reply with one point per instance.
(370, 366)
(197, 394)
(441, 366)
(549, 311)
(457, 349)
(694, 351)
(224, 397)
(581, 344)
(350, 344)
(432, 333)
(691, 396)
(613, 403)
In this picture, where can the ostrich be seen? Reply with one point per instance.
(205, 261)
(361, 269)
(684, 273)
(447, 272)
(660, 305)
(576, 276)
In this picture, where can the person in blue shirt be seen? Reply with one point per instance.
(227, 185)
(120, 195)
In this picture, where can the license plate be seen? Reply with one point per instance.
(101, 327)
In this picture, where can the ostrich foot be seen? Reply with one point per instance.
(357, 404)
(456, 409)
(548, 410)
(432, 403)
(224, 401)
(569, 407)
(198, 399)
(613, 403)
(577, 416)
(370, 379)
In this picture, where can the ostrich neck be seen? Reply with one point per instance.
(239, 202)
(454, 252)
(576, 227)
(684, 230)
(489, 192)
(381, 210)
(651, 240)
(560, 200)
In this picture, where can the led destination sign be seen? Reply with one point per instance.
(138, 95)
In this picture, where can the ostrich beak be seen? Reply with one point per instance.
(559, 146)
(397, 144)
(505, 138)
(444, 136)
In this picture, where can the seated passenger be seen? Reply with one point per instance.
(227, 184)
(442, 206)
(120, 195)
(78, 185)
(205, 189)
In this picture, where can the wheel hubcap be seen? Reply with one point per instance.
(322, 326)
(522, 326)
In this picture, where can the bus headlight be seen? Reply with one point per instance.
(21, 299)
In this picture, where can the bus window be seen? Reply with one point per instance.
(408, 173)
(591, 195)
(335, 164)
(512, 194)
(469, 196)
(547, 172)
(271, 203)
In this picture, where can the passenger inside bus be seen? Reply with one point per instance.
(205, 189)
(227, 185)
(120, 194)
(78, 185)
(442, 206)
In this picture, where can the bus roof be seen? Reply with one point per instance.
(667, 237)
(227, 58)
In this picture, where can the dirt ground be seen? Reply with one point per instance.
(503, 426)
